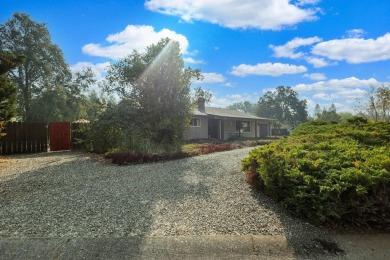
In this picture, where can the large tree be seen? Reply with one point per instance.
(246, 107)
(155, 86)
(8, 89)
(67, 101)
(283, 104)
(376, 104)
(44, 62)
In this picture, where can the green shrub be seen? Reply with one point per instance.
(2, 126)
(107, 132)
(79, 132)
(336, 174)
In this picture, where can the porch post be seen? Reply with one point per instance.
(256, 129)
(239, 128)
(222, 129)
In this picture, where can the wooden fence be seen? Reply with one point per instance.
(24, 138)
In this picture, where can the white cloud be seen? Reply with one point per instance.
(226, 100)
(229, 84)
(99, 69)
(335, 85)
(288, 50)
(193, 61)
(258, 14)
(354, 50)
(307, 2)
(268, 69)
(345, 94)
(322, 96)
(315, 76)
(317, 62)
(355, 33)
(133, 37)
(212, 78)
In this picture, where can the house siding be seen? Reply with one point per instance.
(222, 124)
(230, 128)
(198, 132)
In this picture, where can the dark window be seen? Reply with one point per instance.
(195, 122)
(243, 126)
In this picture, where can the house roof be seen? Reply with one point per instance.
(223, 112)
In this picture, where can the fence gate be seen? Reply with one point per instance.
(59, 136)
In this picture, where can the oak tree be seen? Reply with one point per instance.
(283, 104)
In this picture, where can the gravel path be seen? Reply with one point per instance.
(77, 195)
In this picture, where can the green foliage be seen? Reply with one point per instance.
(79, 134)
(157, 86)
(329, 115)
(2, 126)
(8, 61)
(201, 94)
(108, 131)
(246, 107)
(283, 104)
(8, 89)
(336, 174)
(44, 62)
(7, 98)
(63, 102)
(376, 104)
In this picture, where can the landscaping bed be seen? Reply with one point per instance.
(195, 148)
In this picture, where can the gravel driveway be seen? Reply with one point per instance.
(78, 195)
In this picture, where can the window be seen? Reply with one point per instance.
(195, 122)
(243, 126)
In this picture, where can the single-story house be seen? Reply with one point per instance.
(221, 124)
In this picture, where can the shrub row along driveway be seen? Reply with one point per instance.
(78, 195)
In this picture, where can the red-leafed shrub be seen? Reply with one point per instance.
(212, 148)
(126, 158)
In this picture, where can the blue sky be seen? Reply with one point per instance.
(329, 51)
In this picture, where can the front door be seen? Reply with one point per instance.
(263, 130)
(214, 128)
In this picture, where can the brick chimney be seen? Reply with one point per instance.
(201, 105)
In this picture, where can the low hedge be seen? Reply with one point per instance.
(128, 157)
(331, 174)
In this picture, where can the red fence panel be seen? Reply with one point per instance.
(24, 138)
(59, 136)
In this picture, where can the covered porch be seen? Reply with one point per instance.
(223, 128)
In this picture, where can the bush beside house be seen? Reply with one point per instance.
(332, 174)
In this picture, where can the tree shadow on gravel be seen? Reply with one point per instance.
(307, 241)
(84, 198)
